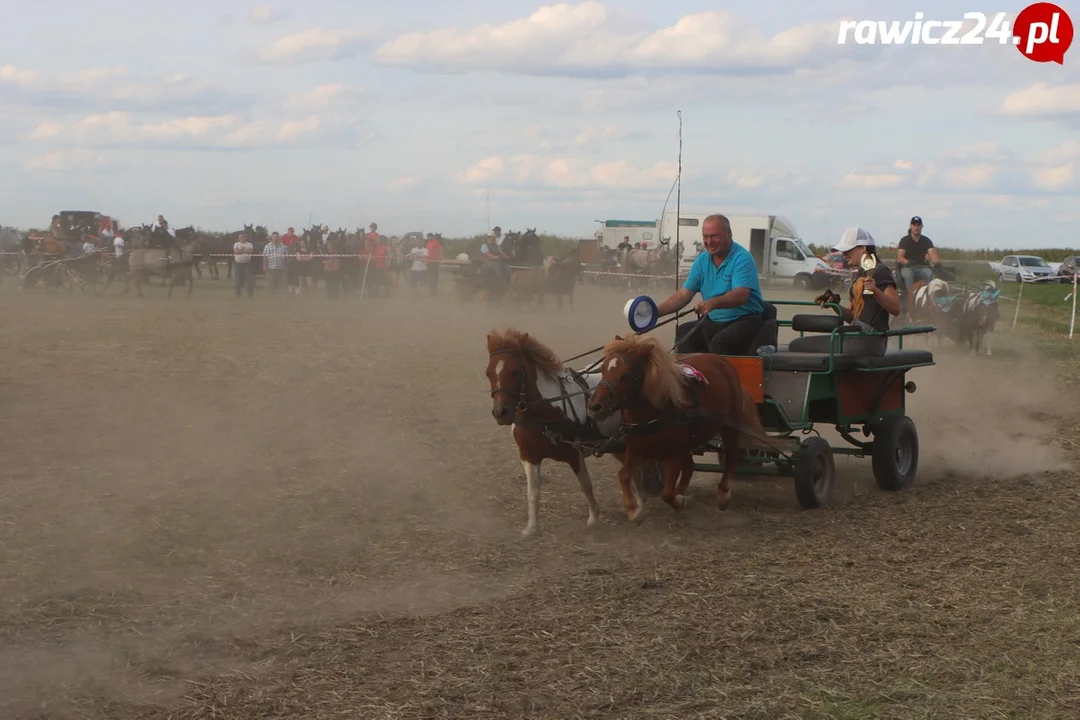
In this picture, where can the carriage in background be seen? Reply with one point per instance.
(55, 259)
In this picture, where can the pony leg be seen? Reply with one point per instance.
(582, 473)
(988, 343)
(633, 510)
(672, 470)
(684, 482)
(532, 479)
(731, 463)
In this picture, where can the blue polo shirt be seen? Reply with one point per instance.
(738, 270)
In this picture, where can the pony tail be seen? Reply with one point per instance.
(751, 420)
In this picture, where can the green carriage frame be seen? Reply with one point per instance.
(797, 391)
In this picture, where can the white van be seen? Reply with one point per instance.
(780, 254)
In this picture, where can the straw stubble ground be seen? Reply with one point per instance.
(295, 508)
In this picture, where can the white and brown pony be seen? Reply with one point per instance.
(546, 405)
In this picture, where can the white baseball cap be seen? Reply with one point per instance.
(852, 238)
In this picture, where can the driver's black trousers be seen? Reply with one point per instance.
(726, 338)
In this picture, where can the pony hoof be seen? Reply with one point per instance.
(682, 502)
(636, 516)
(528, 532)
(723, 502)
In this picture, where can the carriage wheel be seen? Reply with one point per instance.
(814, 473)
(66, 279)
(895, 453)
(652, 478)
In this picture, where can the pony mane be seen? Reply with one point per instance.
(664, 380)
(543, 357)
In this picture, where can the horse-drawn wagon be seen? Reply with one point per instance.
(853, 394)
(750, 410)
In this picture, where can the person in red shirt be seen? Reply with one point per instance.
(434, 248)
(289, 238)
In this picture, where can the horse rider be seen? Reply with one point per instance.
(913, 253)
(493, 255)
(732, 309)
(165, 234)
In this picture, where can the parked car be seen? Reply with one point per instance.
(1069, 267)
(1023, 268)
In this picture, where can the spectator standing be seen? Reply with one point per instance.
(303, 266)
(274, 254)
(419, 274)
(242, 252)
(332, 270)
(289, 238)
(434, 250)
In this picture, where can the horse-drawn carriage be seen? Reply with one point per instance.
(750, 410)
(56, 259)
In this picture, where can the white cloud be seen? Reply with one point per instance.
(589, 38)
(67, 161)
(313, 45)
(265, 15)
(404, 184)
(871, 180)
(569, 173)
(323, 97)
(985, 168)
(222, 131)
(114, 88)
(1043, 100)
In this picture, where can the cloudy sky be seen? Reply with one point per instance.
(408, 114)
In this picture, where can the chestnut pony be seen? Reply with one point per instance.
(546, 405)
(674, 406)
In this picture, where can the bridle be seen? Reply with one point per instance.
(637, 380)
(522, 388)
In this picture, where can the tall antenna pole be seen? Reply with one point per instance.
(678, 218)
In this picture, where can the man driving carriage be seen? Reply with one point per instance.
(732, 307)
(914, 251)
(494, 257)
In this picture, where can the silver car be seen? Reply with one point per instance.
(1024, 268)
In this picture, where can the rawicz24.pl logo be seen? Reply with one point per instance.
(1042, 32)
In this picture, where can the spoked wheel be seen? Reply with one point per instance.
(652, 478)
(896, 453)
(815, 473)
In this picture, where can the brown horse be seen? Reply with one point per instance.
(563, 275)
(545, 403)
(674, 407)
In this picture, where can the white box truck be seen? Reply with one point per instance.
(613, 232)
(781, 255)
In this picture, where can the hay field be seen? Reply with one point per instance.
(292, 508)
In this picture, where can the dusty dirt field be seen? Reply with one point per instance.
(298, 508)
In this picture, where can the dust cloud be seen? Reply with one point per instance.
(989, 418)
(185, 477)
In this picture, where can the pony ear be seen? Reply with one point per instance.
(619, 338)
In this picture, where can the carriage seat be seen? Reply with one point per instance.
(768, 333)
(815, 323)
(806, 361)
(895, 358)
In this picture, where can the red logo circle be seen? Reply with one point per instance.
(1043, 32)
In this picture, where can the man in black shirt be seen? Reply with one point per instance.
(914, 251)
